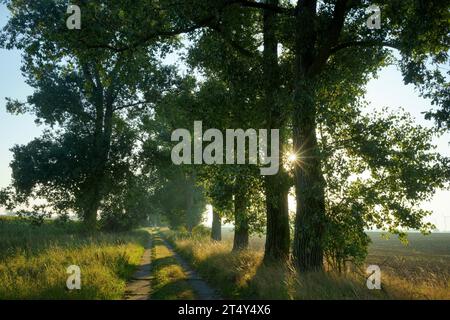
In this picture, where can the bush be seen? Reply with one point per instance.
(201, 231)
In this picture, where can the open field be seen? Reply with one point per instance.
(420, 270)
(34, 261)
(423, 265)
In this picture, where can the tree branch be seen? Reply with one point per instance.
(243, 51)
(153, 36)
(363, 43)
(262, 5)
(205, 22)
(130, 105)
(112, 92)
(332, 36)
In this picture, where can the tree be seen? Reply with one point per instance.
(250, 77)
(387, 167)
(177, 195)
(320, 32)
(223, 185)
(314, 36)
(83, 94)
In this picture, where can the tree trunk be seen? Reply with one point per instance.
(276, 187)
(309, 186)
(92, 192)
(309, 181)
(216, 229)
(90, 204)
(189, 205)
(241, 225)
(241, 237)
(277, 233)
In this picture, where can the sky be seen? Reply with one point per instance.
(387, 90)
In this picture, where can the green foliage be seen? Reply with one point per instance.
(201, 231)
(127, 207)
(378, 170)
(182, 202)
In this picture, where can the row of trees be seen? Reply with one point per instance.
(110, 105)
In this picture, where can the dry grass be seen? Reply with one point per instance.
(242, 276)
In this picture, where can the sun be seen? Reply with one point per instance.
(292, 157)
(291, 160)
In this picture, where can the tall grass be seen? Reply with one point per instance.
(34, 260)
(243, 276)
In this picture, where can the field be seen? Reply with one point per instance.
(34, 261)
(422, 267)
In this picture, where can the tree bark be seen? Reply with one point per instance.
(93, 186)
(241, 237)
(276, 187)
(277, 232)
(241, 223)
(309, 186)
(90, 204)
(309, 181)
(216, 228)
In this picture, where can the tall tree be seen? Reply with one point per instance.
(80, 92)
(321, 30)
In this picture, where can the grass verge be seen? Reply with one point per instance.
(34, 260)
(242, 276)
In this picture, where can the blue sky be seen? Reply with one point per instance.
(386, 91)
